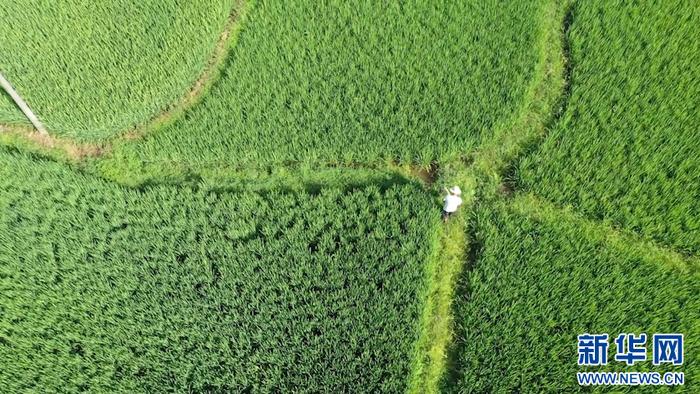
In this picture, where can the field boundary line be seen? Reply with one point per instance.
(494, 158)
(437, 320)
(539, 209)
(68, 148)
(134, 173)
(502, 171)
(31, 140)
(208, 76)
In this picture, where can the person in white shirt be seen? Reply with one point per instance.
(451, 202)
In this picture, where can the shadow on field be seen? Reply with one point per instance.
(282, 185)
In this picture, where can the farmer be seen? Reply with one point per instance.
(452, 202)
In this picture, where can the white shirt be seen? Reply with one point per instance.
(452, 202)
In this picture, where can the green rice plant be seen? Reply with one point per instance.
(627, 147)
(92, 69)
(349, 82)
(545, 276)
(105, 288)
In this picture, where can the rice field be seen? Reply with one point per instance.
(105, 288)
(363, 82)
(282, 233)
(543, 278)
(627, 148)
(93, 70)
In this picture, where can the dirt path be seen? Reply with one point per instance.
(30, 138)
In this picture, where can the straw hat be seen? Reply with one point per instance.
(455, 190)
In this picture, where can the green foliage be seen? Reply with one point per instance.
(540, 282)
(627, 148)
(90, 69)
(228, 176)
(273, 237)
(359, 82)
(437, 321)
(105, 288)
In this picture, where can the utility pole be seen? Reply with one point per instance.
(22, 105)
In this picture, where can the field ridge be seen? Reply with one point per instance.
(28, 138)
(489, 178)
(444, 268)
(540, 209)
(208, 76)
(481, 175)
(496, 162)
(496, 158)
(491, 164)
(515, 177)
